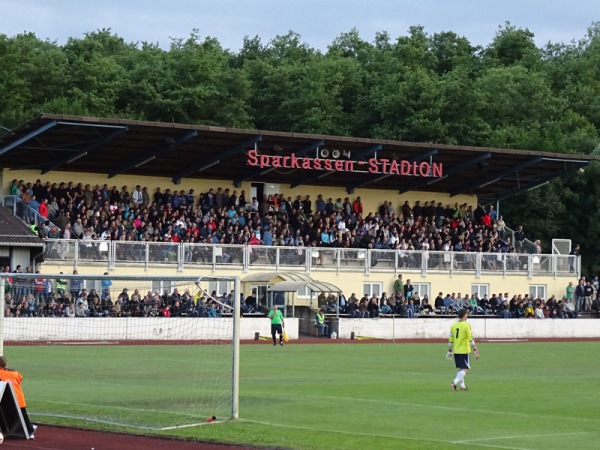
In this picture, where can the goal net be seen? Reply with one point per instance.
(138, 353)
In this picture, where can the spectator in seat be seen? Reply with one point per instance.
(425, 306)
(320, 324)
(539, 310)
(385, 307)
(439, 302)
(409, 308)
(373, 307)
(569, 308)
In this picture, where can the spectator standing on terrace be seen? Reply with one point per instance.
(357, 207)
(15, 379)
(588, 295)
(460, 344)
(43, 209)
(137, 197)
(34, 204)
(145, 197)
(277, 324)
(408, 290)
(579, 296)
(519, 238)
(158, 197)
(61, 285)
(399, 288)
(320, 204)
(570, 292)
(105, 284)
(573, 254)
(75, 286)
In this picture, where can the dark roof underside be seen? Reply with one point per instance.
(179, 152)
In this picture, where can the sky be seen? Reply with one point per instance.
(318, 22)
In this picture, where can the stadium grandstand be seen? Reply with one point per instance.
(320, 216)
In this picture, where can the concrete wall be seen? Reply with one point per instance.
(438, 328)
(161, 329)
(123, 329)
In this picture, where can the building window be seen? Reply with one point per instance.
(372, 288)
(480, 289)
(304, 292)
(423, 289)
(537, 290)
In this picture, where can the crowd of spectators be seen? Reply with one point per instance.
(43, 297)
(228, 217)
(498, 305)
(405, 301)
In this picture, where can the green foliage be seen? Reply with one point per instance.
(431, 88)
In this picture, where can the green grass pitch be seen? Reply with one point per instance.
(342, 396)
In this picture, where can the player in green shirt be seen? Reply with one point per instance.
(460, 343)
(277, 324)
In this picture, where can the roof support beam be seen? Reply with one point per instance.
(216, 159)
(260, 172)
(28, 136)
(498, 176)
(116, 131)
(538, 182)
(432, 152)
(319, 175)
(160, 149)
(447, 173)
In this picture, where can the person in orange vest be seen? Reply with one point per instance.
(15, 378)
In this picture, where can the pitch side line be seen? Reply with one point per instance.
(444, 408)
(521, 436)
(349, 433)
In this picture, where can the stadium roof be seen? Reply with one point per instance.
(179, 152)
(314, 286)
(15, 233)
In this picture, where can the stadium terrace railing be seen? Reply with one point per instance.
(308, 259)
(25, 212)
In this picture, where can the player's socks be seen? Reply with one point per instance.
(459, 377)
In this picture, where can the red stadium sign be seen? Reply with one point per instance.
(373, 165)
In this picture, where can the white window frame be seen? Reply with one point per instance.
(537, 290)
(160, 286)
(304, 292)
(481, 289)
(373, 287)
(220, 286)
(423, 289)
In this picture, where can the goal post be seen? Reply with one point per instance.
(136, 352)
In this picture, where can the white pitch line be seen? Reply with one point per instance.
(445, 408)
(386, 436)
(349, 433)
(521, 436)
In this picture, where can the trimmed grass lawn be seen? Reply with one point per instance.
(338, 396)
